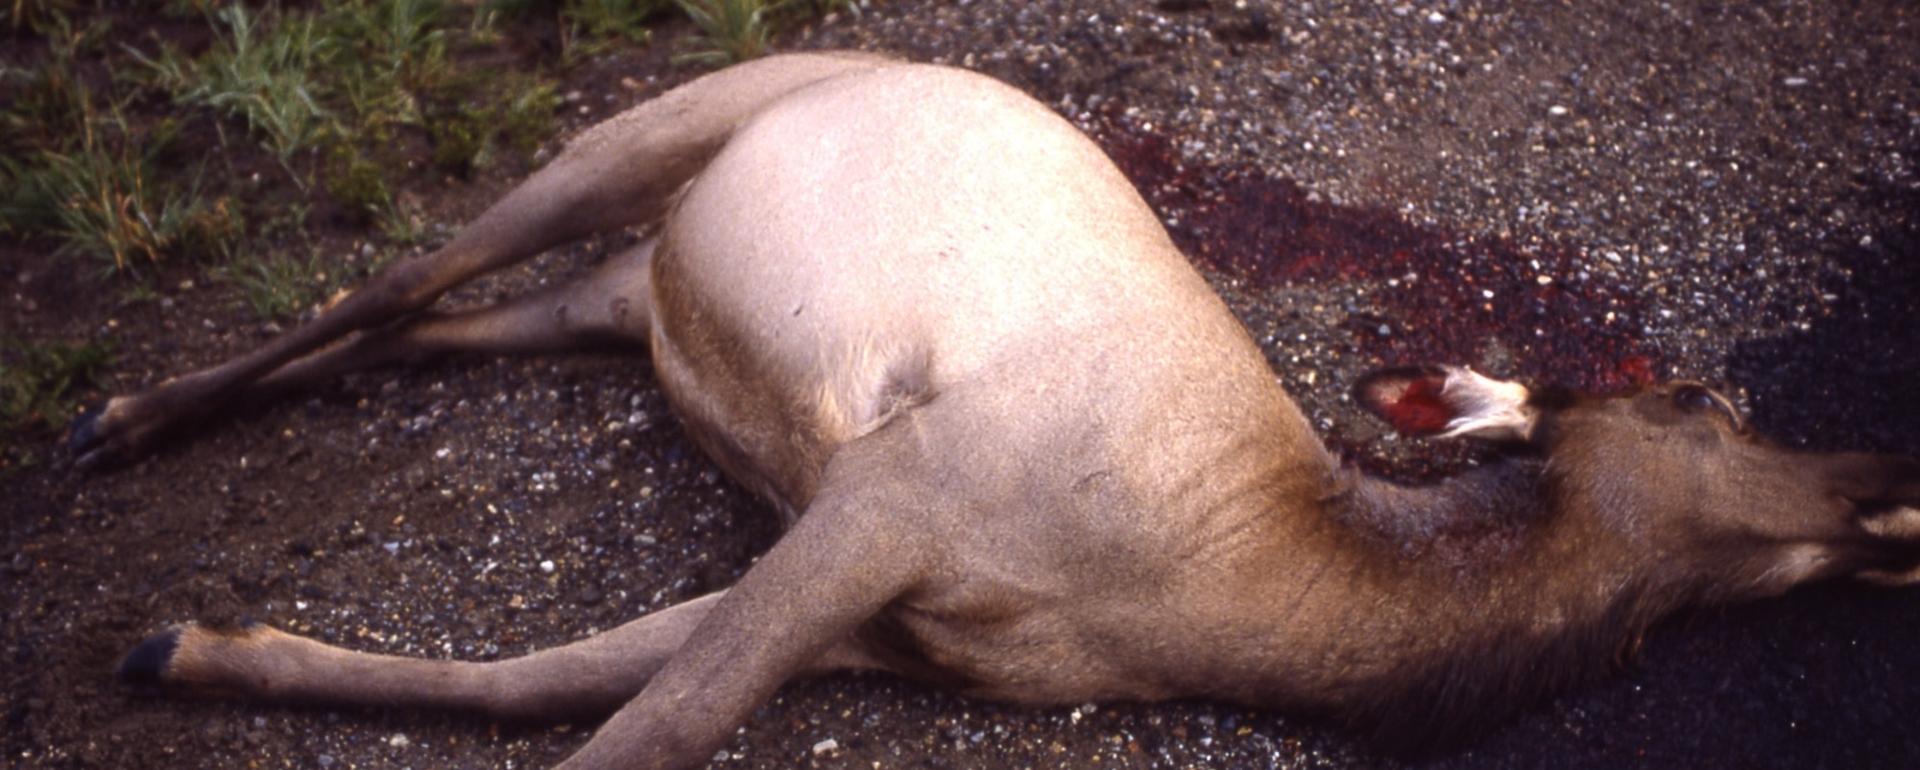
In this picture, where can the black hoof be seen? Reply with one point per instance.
(148, 661)
(83, 434)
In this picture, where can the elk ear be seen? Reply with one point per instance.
(1449, 400)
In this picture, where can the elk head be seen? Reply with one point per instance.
(1671, 482)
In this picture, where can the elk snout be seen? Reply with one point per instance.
(1885, 493)
(1898, 527)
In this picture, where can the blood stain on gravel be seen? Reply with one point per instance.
(1437, 296)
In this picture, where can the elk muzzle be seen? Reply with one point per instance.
(1885, 493)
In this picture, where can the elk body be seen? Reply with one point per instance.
(1024, 452)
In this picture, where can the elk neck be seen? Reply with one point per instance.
(1433, 611)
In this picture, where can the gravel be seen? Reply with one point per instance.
(1586, 194)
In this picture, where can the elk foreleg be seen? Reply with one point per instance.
(588, 678)
(857, 548)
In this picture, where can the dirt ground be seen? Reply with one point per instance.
(1591, 197)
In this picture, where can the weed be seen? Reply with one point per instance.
(40, 380)
(734, 30)
(188, 9)
(461, 140)
(139, 293)
(398, 54)
(468, 133)
(50, 99)
(587, 27)
(35, 15)
(527, 116)
(274, 283)
(279, 287)
(356, 182)
(270, 282)
(103, 198)
(211, 229)
(260, 69)
(80, 173)
(402, 223)
(594, 26)
(397, 39)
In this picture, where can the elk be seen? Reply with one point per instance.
(1022, 450)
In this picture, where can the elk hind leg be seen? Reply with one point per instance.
(610, 305)
(621, 173)
(543, 212)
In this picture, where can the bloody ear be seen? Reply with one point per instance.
(1448, 400)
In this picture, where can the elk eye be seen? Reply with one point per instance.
(1695, 398)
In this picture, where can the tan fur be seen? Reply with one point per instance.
(1024, 451)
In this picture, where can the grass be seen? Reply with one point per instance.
(732, 30)
(19, 15)
(592, 27)
(39, 380)
(40, 384)
(468, 132)
(78, 171)
(278, 287)
(260, 69)
(130, 153)
(47, 100)
(586, 27)
(101, 198)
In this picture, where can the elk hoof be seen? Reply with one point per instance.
(147, 664)
(105, 435)
(83, 434)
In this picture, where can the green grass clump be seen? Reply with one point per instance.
(47, 100)
(22, 15)
(104, 198)
(397, 59)
(514, 112)
(733, 30)
(352, 70)
(462, 139)
(356, 182)
(40, 380)
(278, 287)
(526, 118)
(403, 41)
(261, 68)
(608, 21)
(76, 169)
(587, 27)
(41, 383)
